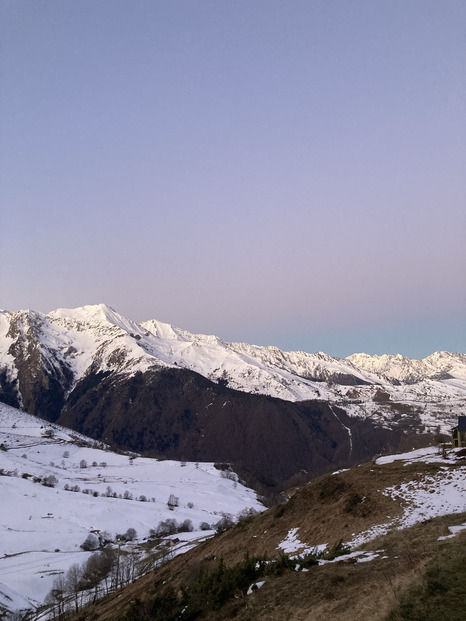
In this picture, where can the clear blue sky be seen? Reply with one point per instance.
(287, 173)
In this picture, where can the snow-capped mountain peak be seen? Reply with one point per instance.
(72, 344)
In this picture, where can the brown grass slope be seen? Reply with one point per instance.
(325, 511)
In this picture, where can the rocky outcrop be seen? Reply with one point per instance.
(42, 379)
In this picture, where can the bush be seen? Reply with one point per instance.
(330, 487)
(353, 501)
(338, 549)
(91, 543)
(223, 524)
(246, 513)
(50, 481)
(165, 528)
(278, 566)
(131, 534)
(173, 501)
(104, 538)
(204, 526)
(185, 527)
(308, 560)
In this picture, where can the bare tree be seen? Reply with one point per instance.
(56, 597)
(74, 582)
(166, 527)
(186, 526)
(98, 568)
(173, 501)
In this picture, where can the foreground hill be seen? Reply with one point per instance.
(157, 389)
(403, 518)
(58, 486)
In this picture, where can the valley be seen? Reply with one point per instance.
(59, 487)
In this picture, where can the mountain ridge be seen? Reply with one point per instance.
(152, 387)
(92, 315)
(97, 338)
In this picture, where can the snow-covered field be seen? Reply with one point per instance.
(43, 527)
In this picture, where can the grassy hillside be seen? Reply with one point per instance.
(391, 514)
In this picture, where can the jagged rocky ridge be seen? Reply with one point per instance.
(152, 387)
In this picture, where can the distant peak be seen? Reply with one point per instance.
(87, 311)
(159, 329)
(95, 314)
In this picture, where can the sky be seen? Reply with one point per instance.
(288, 173)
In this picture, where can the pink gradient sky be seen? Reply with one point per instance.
(282, 173)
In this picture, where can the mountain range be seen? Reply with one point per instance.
(161, 390)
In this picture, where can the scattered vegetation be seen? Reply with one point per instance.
(170, 526)
(212, 587)
(438, 593)
(223, 524)
(330, 487)
(354, 500)
(50, 480)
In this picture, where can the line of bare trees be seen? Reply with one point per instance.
(106, 570)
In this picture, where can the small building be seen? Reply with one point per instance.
(458, 433)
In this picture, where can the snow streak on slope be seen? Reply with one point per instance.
(93, 339)
(43, 527)
(423, 497)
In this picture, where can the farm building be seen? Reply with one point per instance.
(458, 433)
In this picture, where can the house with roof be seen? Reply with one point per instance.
(458, 433)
